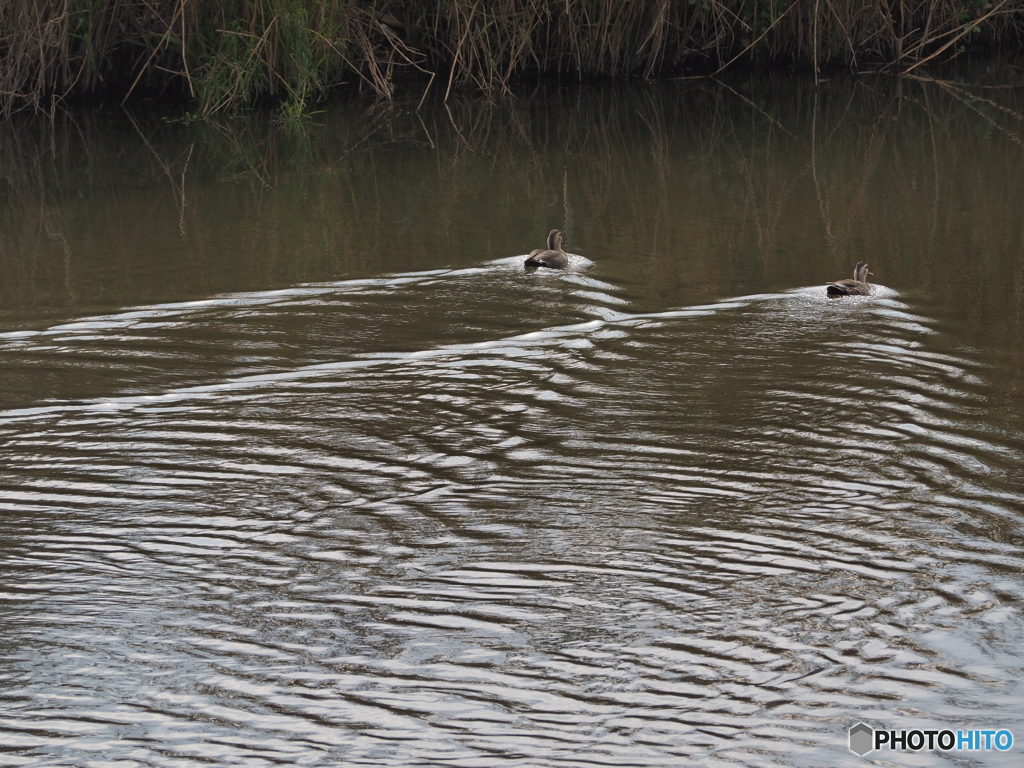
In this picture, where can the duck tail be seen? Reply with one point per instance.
(531, 262)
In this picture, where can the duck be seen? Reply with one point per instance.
(856, 287)
(553, 257)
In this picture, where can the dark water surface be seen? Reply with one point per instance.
(299, 467)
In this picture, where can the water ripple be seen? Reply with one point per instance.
(716, 534)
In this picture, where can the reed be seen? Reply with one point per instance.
(227, 54)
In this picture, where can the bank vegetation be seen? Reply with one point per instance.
(229, 54)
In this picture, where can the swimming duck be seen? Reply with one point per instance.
(856, 287)
(552, 258)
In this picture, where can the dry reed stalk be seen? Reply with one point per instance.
(227, 53)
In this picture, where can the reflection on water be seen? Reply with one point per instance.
(298, 466)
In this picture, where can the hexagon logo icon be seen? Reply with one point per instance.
(862, 739)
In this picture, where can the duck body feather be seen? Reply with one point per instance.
(552, 257)
(858, 286)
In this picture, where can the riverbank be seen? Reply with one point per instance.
(229, 54)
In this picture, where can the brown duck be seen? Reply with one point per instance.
(856, 287)
(552, 258)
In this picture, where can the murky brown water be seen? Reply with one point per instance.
(299, 467)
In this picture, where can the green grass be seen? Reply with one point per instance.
(226, 55)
